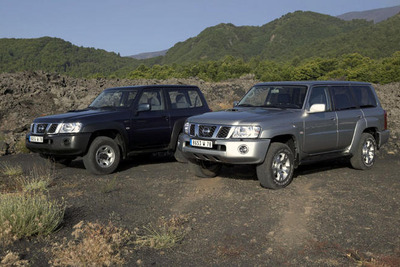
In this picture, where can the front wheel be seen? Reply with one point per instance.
(277, 169)
(364, 156)
(204, 169)
(103, 156)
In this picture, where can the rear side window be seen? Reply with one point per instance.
(343, 98)
(364, 96)
(181, 98)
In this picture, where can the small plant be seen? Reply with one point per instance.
(12, 259)
(11, 170)
(165, 235)
(109, 186)
(93, 245)
(23, 215)
(39, 179)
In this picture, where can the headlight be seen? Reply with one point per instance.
(186, 128)
(73, 127)
(246, 132)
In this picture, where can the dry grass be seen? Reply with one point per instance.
(13, 259)
(166, 234)
(9, 169)
(93, 245)
(39, 179)
(23, 215)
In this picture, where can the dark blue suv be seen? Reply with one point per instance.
(119, 122)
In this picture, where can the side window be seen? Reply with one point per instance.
(184, 99)
(343, 98)
(195, 99)
(319, 95)
(365, 97)
(154, 97)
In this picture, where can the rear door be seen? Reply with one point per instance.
(348, 114)
(151, 128)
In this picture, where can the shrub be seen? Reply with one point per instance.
(93, 245)
(165, 235)
(23, 215)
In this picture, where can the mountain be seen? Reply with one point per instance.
(376, 15)
(149, 54)
(276, 40)
(56, 55)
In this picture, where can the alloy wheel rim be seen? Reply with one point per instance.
(368, 152)
(105, 156)
(281, 167)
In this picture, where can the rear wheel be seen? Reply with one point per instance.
(103, 156)
(204, 169)
(277, 169)
(364, 156)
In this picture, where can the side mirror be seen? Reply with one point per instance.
(144, 107)
(317, 108)
(235, 103)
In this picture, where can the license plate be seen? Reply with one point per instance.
(201, 143)
(36, 139)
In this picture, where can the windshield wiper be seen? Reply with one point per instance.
(245, 105)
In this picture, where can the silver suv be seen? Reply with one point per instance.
(279, 125)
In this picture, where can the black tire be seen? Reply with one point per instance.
(277, 170)
(364, 156)
(103, 156)
(204, 169)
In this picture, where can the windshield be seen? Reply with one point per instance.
(114, 99)
(275, 96)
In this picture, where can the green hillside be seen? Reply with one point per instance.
(276, 40)
(56, 55)
(299, 45)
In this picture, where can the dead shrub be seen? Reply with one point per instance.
(93, 244)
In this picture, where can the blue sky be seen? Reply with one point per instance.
(130, 27)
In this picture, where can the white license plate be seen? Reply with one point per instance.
(36, 139)
(201, 143)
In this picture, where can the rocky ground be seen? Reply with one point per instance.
(330, 215)
(25, 96)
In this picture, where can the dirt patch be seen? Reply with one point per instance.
(330, 215)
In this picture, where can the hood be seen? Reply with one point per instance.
(242, 116)
(78, 115)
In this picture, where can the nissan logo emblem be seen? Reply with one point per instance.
(206, 131)
(41, 128)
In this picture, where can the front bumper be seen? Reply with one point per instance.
(227, 150)
(60, 144)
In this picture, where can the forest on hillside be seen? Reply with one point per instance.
(297, 46)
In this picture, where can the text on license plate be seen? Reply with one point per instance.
(36, 139)
(201, 143)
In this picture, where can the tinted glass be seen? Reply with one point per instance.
(275, 97)
(364, 96)
(184, 99)
(153, 97)
(114, 99)
(343, 98)
(319, 95)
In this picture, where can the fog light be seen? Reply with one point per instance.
(67, 142)
(243, 149)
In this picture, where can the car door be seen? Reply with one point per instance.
(151, 127)
(348, 114)
(320, 128)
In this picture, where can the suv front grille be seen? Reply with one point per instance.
(209, 131)
(42, 128)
